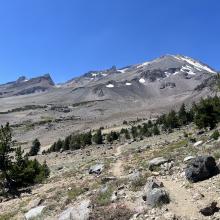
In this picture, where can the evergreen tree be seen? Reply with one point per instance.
(205, 114)
(21, 171)
(125, 132)
(5, 154)
(112, 136)
(156, 130)
(35, 147)
(66, 144)
(59, 145)
(149, 124)
(75, 142)
(86, 139)
(172, 120)
(182, 114)
(97, 138)
(134, 131)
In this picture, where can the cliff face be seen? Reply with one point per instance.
(24, 86)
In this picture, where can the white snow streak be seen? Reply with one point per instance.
(142, 80)
(110, 86)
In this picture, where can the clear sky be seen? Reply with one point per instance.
(70, 37)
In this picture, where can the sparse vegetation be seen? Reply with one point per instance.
(137, 184)
(215, 135)
(75, 192)
(103, 198)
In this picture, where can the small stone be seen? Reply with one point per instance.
(198, 143)
(188, 158)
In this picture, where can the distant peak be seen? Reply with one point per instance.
(21, 79)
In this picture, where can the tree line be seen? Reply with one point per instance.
(205, 114)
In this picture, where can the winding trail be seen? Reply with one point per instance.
(117, 169)
(182, 203)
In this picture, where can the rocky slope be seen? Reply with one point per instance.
(24, 86)
(136, 180)
(101, 98)
(172, 176)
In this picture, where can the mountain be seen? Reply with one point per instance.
(23, 86)
(103, 98)
(161, 78)
(158, 69)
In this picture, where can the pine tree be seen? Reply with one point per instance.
(5, 154)
(134, 131)
(97, 138)
(66, 144)
(205, 114)
(156, 130)
(182, 114)
(59, 145)
(35, 147)
(172, 120)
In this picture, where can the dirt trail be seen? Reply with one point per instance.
(182, 203)
(117, 169)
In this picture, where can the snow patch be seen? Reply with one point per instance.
(142, 80)
(143, 64)
(123, 70)
(168, 74)
(95, 74)
(110, 86)
(196, 64)
(176, 73)
(188, 69)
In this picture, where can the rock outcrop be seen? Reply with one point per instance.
(201, 168)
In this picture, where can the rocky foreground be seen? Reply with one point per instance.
(170, 176)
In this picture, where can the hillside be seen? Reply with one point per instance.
(37, 107)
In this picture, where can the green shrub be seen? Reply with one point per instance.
(215, 135)
(104, 198)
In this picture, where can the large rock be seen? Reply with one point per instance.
(156, 162)
(78, 212)
(96, 169)
(155, 194)
(210, 209)
(201, 168)
(34, 213)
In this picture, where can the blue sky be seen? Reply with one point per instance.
(70, 37)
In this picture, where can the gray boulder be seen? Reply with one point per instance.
(155, 194)
(156, 162)
(78, 212)
(34, 213)
(96, 169)
(201, 168)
